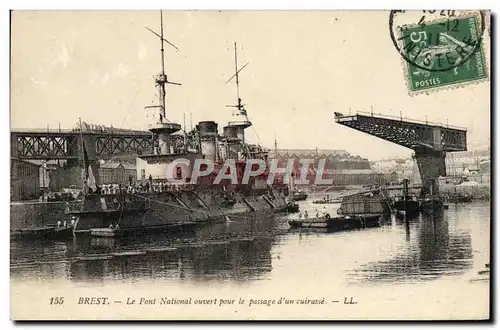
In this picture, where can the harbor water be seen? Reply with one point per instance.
(422, 268)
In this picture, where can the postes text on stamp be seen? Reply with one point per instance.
(443, 53)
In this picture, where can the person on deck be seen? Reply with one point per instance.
(325, 214)
(306, 215)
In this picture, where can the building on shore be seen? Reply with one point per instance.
(344, 168)
(473, 165)
(117, 173)
(24, 180)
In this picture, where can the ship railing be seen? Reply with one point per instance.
(406, 119)
(77, 130)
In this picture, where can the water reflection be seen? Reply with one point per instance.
(239, 250)
(431, 251)
(237, 260)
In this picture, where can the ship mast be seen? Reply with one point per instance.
(162, 79)
(241, 122)
(161, 83)
(239, 105)
(163, 127)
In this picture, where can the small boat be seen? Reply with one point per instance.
(104, 232)
(241, 239)
(292, 207)
(484, 271)
(299, 196)
(161, 249)
(354, 222)
(482, 275)
(217, 242)
(327, 201)
(135, 231)
(61, 232)
(339, 223)
(313, 223)
(94, 257)
(128, 253)
(407, 205)
(456, 198)
(432, 205)
(49, 232)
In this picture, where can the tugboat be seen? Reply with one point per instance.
(457, 198)
(406, 204)
(172, 191)
(432, 203)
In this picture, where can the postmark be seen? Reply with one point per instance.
(440, 53)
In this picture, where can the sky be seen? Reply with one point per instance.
(303, 67)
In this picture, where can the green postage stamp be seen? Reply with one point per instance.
(443, 53)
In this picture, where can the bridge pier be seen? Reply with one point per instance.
(431, 165)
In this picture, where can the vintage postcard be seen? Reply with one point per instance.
(250, 165)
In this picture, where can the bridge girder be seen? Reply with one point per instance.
(430, 142)
(410, 134)
(67, 146)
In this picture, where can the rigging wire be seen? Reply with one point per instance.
(130, 107)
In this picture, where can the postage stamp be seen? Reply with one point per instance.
(443, 53)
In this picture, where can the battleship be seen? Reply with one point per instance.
(156, 201)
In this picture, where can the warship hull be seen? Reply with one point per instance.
(157, 209)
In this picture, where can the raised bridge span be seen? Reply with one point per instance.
(429, 141)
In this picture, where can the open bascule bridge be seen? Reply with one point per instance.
(429, 141)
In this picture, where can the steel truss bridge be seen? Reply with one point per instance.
(67, 144)
(429, 141)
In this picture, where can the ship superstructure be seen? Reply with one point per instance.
(166, 191)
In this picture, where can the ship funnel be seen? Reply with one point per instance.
(208, 137)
